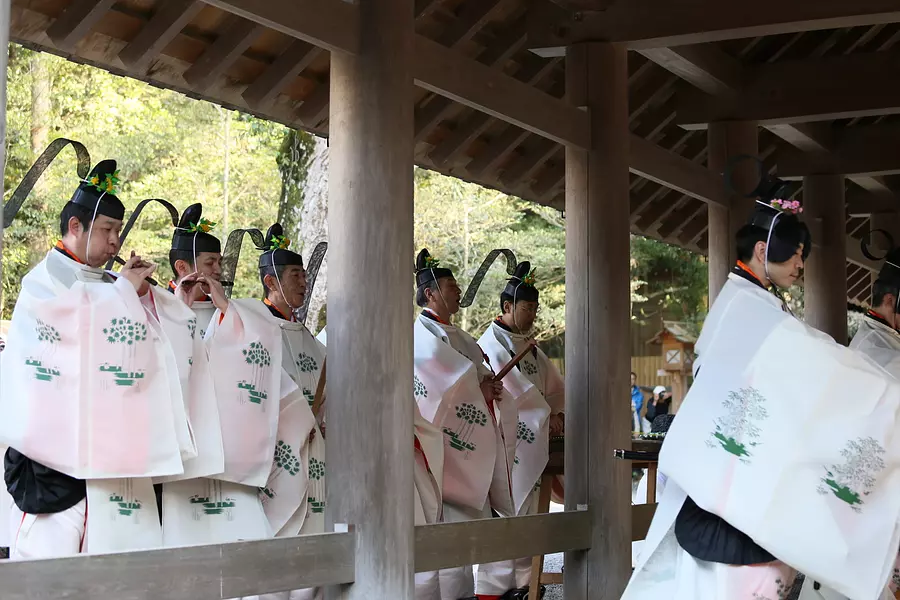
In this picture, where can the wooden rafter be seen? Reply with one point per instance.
(478, 122)
(803, 90)
(162, 28)
(660, 23)
(76, 21)
(234, 41)
(262, 92)
(860, 150)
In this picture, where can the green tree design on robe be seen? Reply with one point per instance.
(257, 356)
(306, 363)
(284, 461)
(470, 417)
(856, 477)
(419, 389)
(523, 433)
(192, 326)
(737, 432)
(48, 338)
(127, 333)
(316, 475)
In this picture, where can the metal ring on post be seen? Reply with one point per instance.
(730, 167)
(866, 240)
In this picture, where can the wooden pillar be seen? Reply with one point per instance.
(597, 321)
(370, 263)
(727, 140)
(825, 280)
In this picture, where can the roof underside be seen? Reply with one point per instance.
(825, 98)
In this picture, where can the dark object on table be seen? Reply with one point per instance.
(640, 455)
(4, 552)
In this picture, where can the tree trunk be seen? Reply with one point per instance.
(41, 85)
(312, 225)
(226, 175)
(303, 206)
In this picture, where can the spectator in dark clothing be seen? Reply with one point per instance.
(659, 405)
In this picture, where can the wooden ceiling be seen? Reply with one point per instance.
(822, 79)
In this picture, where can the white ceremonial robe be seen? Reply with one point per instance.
(116, 379)
(824, 498)
(294, 494)
(525, 384)
(881, 343)
(83, 375)
(197, 509)
(245, 354)
(303, 358)
(449, 367)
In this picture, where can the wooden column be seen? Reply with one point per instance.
(825, 280)
(370, 262)
(727, 140)
(597, 321)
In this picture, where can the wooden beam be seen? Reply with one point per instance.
(650, 217)
(642, 198)
(674, 171)
(808, 137)
(861, 150)
(498, 52)
(862, 203)
(656, 87)
(425, 7)
(499, 148)
(477, 123)
(679, 218)
(642, 24)
(215, 571)
(450, 74)
(314, 109)
(329, 24)
(228, 47)
(692, 230)
(549, 181)
(334, 25)
(450, 544)
(523, 167)
(261, 93)
(803, 90)
(162, 28)
(472, 17)
(76, 21)
(704, 66)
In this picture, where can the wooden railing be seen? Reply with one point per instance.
(266, 566)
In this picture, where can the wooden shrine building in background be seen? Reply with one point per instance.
(622, 113)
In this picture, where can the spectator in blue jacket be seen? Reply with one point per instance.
(637, 402)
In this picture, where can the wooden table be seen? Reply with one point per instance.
(642, 514)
